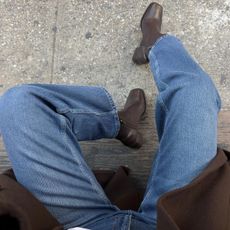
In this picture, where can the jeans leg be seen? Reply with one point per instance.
(186, 118)
(41, 126)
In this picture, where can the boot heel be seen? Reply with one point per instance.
(139, 141)
(139, 56)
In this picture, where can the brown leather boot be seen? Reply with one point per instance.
(130, 116)
(151, 30)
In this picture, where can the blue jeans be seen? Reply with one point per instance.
(42, 125)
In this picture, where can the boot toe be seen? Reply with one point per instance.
(153, 11)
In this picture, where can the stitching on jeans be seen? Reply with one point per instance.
(94, 185)
(129, 222)
(114, 110)
(162, 104)
(157, 77)
(84, 172)
(92, 182)
(77, 111)
(160, 39)
(162, 84)
(150, 190)
(145, 219)
(63, 110)
(62, 124)
(114, 222)
(152, 181)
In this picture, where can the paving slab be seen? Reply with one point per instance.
(26, 41)
(99, 37)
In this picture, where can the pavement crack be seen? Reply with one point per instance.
(54, 29)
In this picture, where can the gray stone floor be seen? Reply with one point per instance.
(91, 43)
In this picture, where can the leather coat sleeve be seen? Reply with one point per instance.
(19, 209)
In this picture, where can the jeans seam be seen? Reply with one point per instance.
(114, 222)
(147, 195)
(162, 104)
(129, 222)
(158, 81)
(77, 111)
(91, 180)
(114, 112)
(165, 36)
(144, 218)
(63, 124)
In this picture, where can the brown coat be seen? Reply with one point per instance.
(19, 209)
(202, 205)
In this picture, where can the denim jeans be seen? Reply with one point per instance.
(42, 125)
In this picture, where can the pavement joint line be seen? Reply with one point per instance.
(54, 43)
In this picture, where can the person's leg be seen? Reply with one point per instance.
(41, 126)
(186, 117)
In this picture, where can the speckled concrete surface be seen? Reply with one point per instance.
(92, 42)
(26, 41)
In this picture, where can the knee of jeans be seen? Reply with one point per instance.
(203, 89)
(15, 101)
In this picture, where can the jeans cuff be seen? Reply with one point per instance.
(158, 41)
(114, 113)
